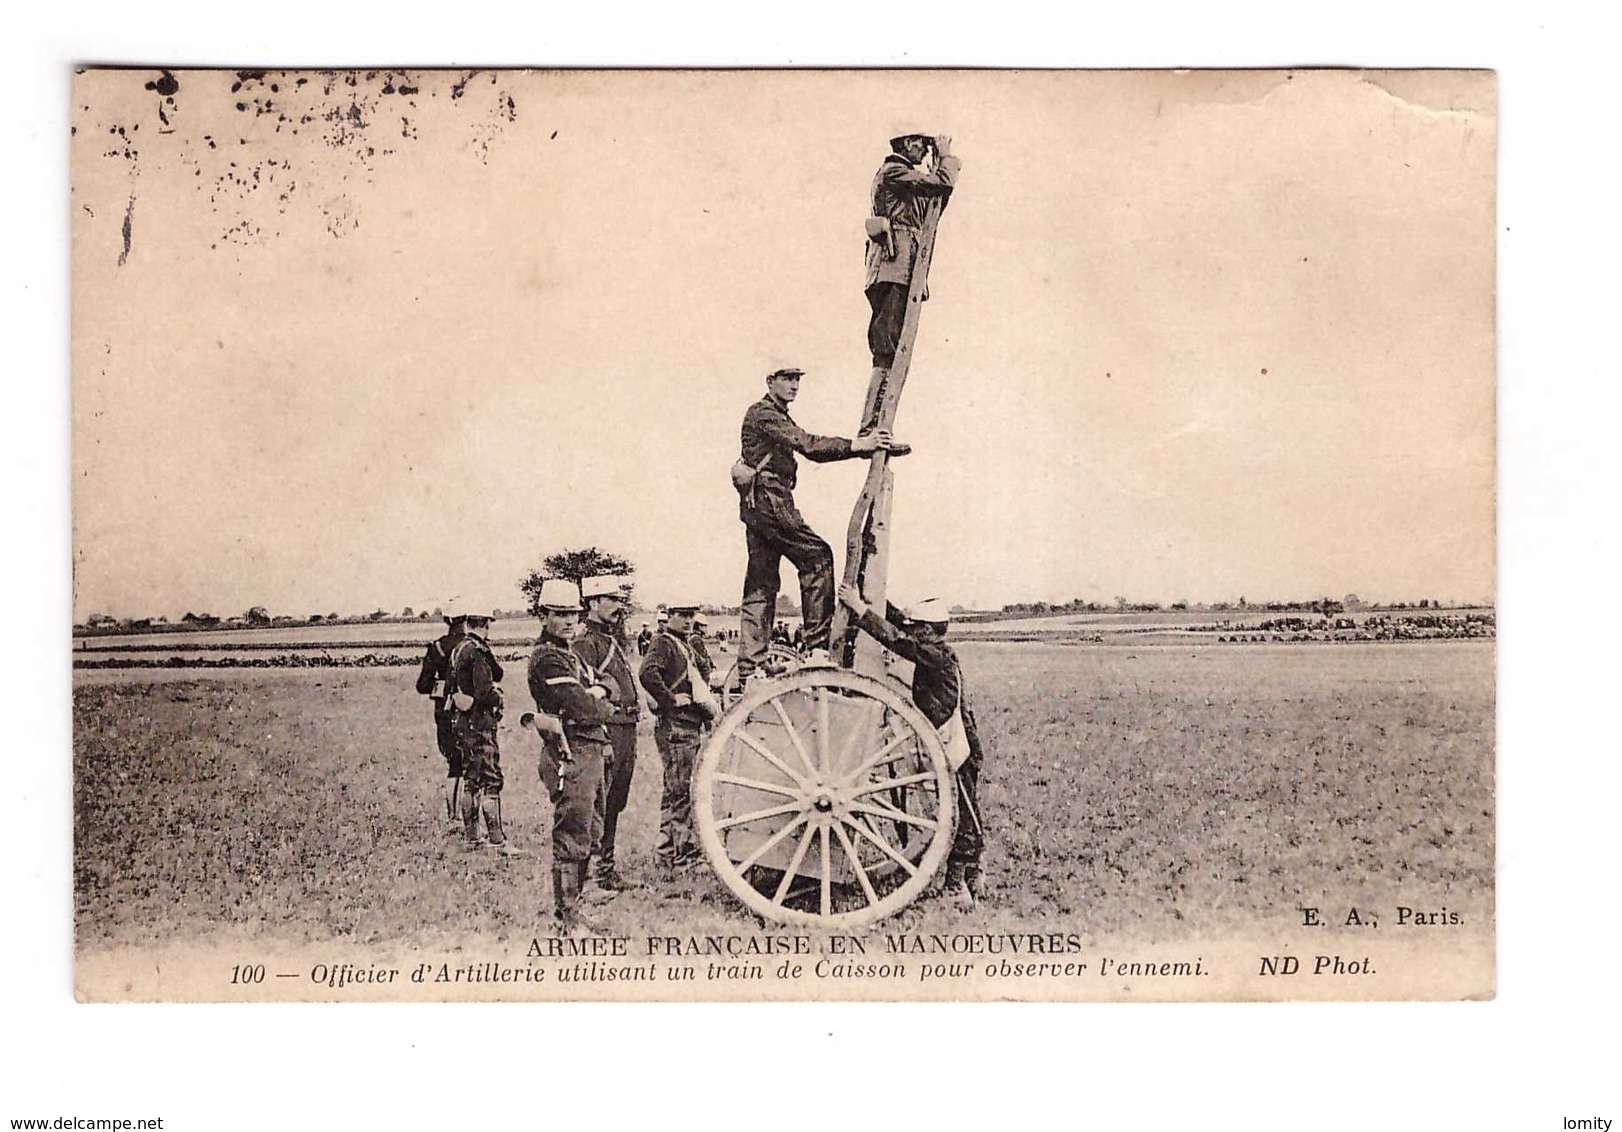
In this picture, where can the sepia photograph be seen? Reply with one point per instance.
(783, 535)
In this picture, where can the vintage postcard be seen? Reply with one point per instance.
(783, 535)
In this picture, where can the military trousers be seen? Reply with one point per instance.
(575, 787)
(678, 742)
(889, 304)
(617, 783)
(774, 529)
(969, 840)
(445, 733)
(475, 735)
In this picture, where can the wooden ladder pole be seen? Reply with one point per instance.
(867, 537)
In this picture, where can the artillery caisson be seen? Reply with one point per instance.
(824, 797)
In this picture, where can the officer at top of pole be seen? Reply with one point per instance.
(919, 167)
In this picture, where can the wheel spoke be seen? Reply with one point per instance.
(766, 846)
(893, 783)
(827, 875)
(759, 815)
(885, 811)
(823, 711)
(757, 784)
(856, 863)
(794, 864)
(760, 749)
(861, 828)
(793, 736)
(878, 759)
(856, 732)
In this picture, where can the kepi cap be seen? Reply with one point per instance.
(559, 594)
(455, 609)
(603, 585)
(933, 610)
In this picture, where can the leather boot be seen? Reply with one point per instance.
(491, 806)
(470, 819)
(608, 877)
(566, 897)
(590, 891)
(956, 888)
(453, 805)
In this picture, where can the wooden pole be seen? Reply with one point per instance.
(867, 537)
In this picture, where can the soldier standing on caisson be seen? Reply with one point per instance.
(600, 646)
(765, 476)
(572, 769)
(434, 681)
(671, 677)
(476, 699)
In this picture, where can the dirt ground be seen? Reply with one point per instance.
(1161, 792)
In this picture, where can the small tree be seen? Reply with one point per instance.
(257, 616)
(575, 565)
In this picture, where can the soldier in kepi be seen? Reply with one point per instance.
(919, 167)
(565, 688)
(774, 529)
(684, 706)
(917, 633)
(601, 645)
(476, 700)
(433, 681)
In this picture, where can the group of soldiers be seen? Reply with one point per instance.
(587, 700)
(588, 703)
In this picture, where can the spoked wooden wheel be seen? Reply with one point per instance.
(824, 798)
(779, 659)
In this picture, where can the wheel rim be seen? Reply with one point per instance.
(824, 798)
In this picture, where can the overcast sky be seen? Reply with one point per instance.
(1190, 336)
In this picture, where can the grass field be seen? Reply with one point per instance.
(1162, 793)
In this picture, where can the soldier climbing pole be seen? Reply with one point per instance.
(867, 538)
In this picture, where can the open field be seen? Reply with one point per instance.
(1162, 794)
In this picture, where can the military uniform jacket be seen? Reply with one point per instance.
(436, 666)
(666, 674)
(476, 672)
(900, 191)
(770, 438)
(701, 655)
(605, 656)
(558, 680)
(937, 677)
